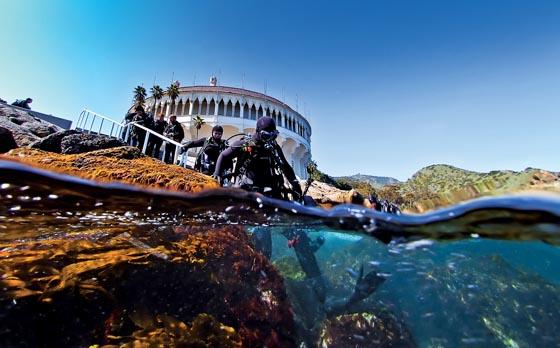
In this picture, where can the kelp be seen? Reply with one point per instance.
(83, 289)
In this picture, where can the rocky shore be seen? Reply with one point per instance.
(186, 285)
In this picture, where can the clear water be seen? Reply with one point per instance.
(481, 274)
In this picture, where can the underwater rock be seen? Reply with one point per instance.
(115, 288)
(365, 330)
(120, 164)
(80, 143)
(166, 331)
(491, 303)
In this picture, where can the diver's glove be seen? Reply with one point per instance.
(185, 147)
(218, 178)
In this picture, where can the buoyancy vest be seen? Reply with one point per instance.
(259, 168)
(208, 155)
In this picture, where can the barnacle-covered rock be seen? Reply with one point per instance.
(119, 164)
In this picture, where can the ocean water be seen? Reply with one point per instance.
(481, 274)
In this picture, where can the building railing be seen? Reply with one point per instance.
(92, 122)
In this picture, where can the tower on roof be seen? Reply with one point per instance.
(213, 81)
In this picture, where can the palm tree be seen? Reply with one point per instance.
(173, 92)
(139, 95)
(198, 122)
(157, 94)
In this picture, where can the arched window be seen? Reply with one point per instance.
(260, 112)
(221, 107)
(179, 107)
(204, 107)
(237, 110)
(186, 107)
(267, 112)
(246, 111)
(253, 112)
(229, 109)
(196, 107)
(212, 107)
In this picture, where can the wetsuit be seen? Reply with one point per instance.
(174, 131)
(208, 154)
(22, 104)
(154, 142)
(260, 167)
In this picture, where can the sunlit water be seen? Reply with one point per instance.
(482, 274)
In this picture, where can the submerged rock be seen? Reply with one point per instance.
(166, 331)
(486, 301)
(117, 288)
(120, 164)
(365, 330)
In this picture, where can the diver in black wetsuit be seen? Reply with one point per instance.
(261, 165)
(211, 148)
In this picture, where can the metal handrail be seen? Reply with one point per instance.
(84, 117)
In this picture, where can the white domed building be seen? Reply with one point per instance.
(237, 111)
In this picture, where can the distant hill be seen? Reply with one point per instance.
(441, 185)
(375, 181)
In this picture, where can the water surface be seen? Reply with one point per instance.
(481, 274)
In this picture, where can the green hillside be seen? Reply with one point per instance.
(375, 181)
(440, 185)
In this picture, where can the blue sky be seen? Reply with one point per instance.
(388, 86)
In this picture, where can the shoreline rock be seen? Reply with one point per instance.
(328, 196)
(25, 128)
(119, 164)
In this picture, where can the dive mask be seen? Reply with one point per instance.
(268, 135)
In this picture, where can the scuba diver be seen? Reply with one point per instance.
(211, 148)
(262, 167)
